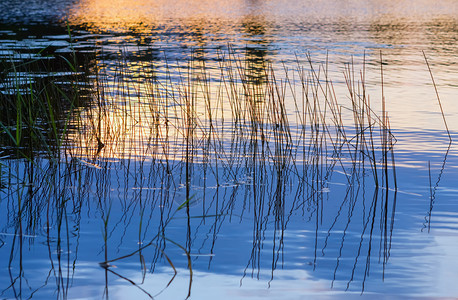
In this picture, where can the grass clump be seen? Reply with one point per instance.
(38, 97)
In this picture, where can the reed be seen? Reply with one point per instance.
(38, 100)
(208, 128)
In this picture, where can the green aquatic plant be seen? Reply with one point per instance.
(38, 99)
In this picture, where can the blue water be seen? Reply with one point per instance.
(120, 223)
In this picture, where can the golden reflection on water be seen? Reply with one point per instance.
(143, 15)
(113, 14)
(401, 28)
(164, 119)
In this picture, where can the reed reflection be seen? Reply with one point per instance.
(184, 161)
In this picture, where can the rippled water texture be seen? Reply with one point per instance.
(173, 185)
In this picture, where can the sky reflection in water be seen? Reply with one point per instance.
(277, 233)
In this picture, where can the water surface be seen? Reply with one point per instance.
(255, 217)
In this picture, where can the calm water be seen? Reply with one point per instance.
(262, 220)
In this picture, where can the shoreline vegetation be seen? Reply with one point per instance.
(182, 133)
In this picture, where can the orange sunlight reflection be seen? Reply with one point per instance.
(411, 101)
(142, 15)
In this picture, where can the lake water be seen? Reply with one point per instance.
(240, 159)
